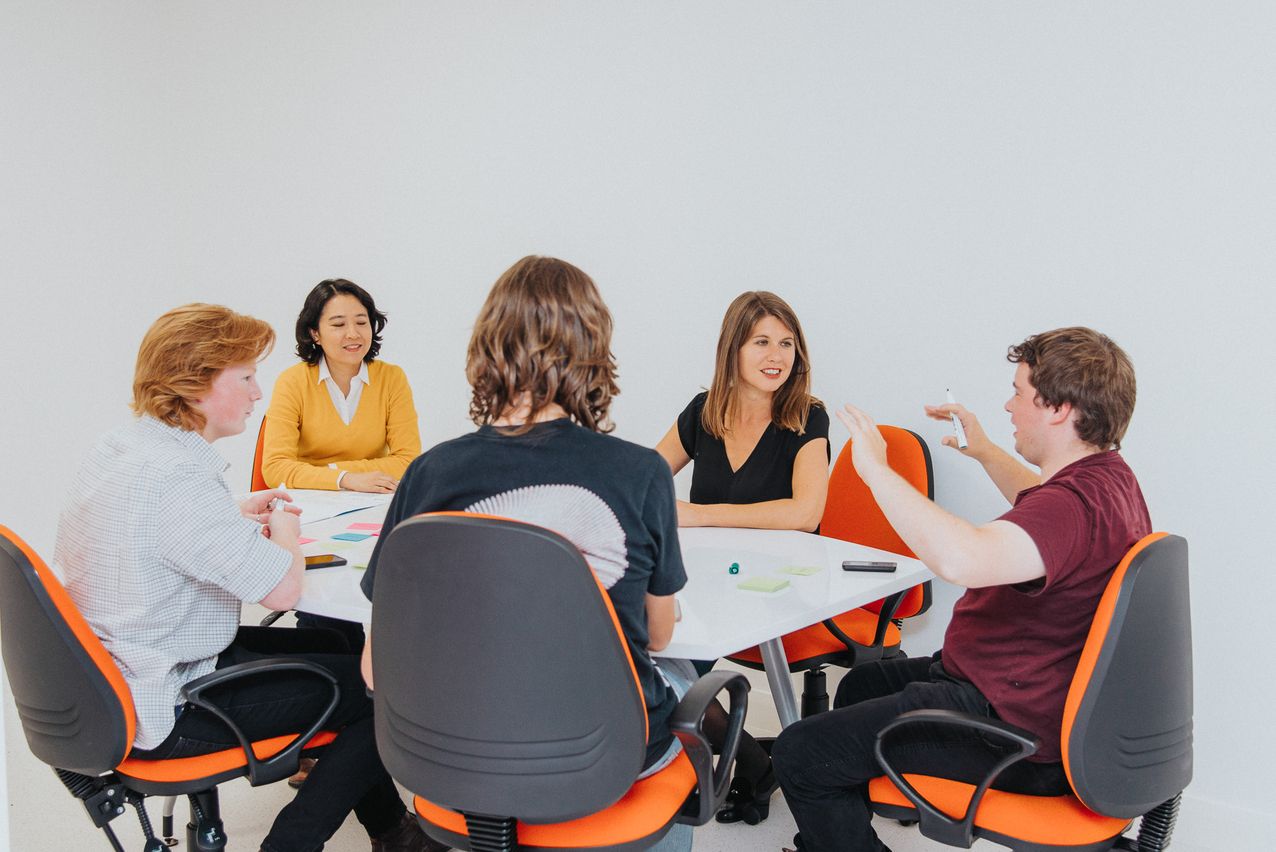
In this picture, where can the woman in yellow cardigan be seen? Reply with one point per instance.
(341, 419)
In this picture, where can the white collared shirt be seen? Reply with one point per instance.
(346, 405)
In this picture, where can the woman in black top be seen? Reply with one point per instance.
(758, 438)
(760, 445)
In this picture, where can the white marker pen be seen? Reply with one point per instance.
(957, 427)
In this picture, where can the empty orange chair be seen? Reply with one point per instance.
(507, 700)
(870, 632)
(1127, 731)
(78, 717)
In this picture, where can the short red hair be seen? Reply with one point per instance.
(182, 353)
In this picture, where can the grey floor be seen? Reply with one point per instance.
(43, 816)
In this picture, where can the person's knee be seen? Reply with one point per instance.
(786, 751)
(851, 689)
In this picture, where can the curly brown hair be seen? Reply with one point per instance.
(182, 353)
(543, 332)
(1087, 370)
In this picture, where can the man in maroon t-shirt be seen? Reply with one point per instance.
(1033, 576)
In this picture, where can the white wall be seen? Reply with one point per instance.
(926, 184)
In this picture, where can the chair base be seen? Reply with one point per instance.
(815, 693)
(622, 827)
(105, 796)
(466, 843)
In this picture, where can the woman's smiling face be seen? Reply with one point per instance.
(345, 332)
(765, 361)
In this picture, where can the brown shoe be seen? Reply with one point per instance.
(303, 772)
(407, 836)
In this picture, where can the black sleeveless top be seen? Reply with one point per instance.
(767, 474)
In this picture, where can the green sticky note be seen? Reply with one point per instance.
(801, 570)
(338, 545)
(762, 584)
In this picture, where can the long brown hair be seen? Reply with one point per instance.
(792, 402)
(545, 332)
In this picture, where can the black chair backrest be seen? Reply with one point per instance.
(503, 684)
(1128, 719)
(74, 704)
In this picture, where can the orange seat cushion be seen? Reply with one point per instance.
(648, 806)
(1048, 820)
(182, 769)
(815, 641)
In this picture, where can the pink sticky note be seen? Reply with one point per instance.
(304, 540)
(374, 528)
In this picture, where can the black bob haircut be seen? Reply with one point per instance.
(308, 319)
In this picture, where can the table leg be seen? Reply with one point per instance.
(777, 675)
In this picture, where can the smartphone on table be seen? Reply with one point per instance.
(324, 560)
(873, 567)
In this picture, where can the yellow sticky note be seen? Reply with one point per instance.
(801, 570)
(762, 584)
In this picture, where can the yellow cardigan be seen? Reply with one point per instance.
(304, 432)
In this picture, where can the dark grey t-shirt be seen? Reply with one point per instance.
(614, 500)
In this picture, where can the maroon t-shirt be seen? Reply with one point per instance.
(1019, 644)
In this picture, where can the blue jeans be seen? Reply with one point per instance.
(824, 762)
(679, 674)
(350, 776)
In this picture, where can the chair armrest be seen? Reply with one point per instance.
(687, 724)
(271, 617)
(884, 616)
(283, 763)
(933, 822)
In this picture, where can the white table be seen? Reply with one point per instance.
(717, 617)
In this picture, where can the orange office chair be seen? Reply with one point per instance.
(258, 482)
(870, 632)
(78, 717)
(1127, 731)
(507, 701)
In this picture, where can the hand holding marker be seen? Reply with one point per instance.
(957, 427)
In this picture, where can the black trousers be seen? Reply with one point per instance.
(350, 776)
(824, 762)
(351, 631)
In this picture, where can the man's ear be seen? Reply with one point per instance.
(1060, 413)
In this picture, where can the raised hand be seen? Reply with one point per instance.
(977, 443)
